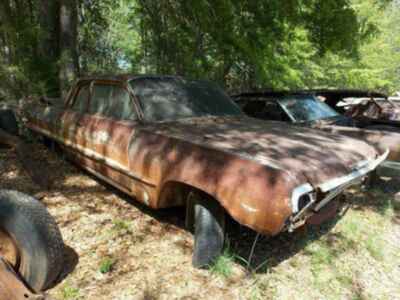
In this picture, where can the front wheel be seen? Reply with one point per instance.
(209, 229)
(30, 240)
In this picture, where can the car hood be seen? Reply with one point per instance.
(310, 155)
(381, 139)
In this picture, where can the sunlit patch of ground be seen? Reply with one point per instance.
(129, 252)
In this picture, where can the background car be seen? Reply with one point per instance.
(305, 108)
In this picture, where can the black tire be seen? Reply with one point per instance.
(209, 230)
(36, 237)
(8, 121)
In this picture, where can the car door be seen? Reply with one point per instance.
(109, 130)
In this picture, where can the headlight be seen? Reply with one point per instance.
(301, 197)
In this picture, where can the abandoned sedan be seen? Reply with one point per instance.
(366, 107)
(168, 141)
(305, 109)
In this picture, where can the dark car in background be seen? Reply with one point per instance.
(306, 108)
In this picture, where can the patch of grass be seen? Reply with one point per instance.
(344, 280)
(374, 247)
(321, 255)
(263, 290)
(224, 264)
(382, 202)
(106, 265)
(121, 225)
(70, 293)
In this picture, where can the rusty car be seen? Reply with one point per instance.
(366, 107)
(305, 108)
(169, 141)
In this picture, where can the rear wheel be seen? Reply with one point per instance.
(30, 239)
(209, 229)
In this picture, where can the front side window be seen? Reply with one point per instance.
(167, 99)
(81, 99)
(122, 107)
(265, 109)
(307, 108)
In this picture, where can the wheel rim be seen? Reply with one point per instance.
(8, 249)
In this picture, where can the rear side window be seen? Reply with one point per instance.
(112, 101)
(81, 99)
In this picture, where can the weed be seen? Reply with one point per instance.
(70, 293)
(106, 265)
(121, 225)
(223, 265)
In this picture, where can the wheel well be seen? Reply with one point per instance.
(174, 193)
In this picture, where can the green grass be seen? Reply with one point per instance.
(375, 247)
(223, 266)
(121, 225)
(106, 265)
(70, 293)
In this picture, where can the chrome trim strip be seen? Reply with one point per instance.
(336, 182)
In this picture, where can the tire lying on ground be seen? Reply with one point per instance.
(30, 239)
(8, 121)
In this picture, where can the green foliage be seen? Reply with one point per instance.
(70, 293)
(106, 265)
(240, 44)
(223, 264)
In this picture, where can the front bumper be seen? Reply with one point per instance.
(391, 165)
(321, 195)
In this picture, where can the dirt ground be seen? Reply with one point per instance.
(119, 249)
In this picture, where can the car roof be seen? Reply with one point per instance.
(126, 77)
(343, 93)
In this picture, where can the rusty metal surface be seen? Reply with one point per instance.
(333, 93)
(12, 287)
(250, 166)
(382, 110)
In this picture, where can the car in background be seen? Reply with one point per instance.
(305, 108)
(366, 107)
(170, 141)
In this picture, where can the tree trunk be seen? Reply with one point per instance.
(48, 20)
(48, 46)
(69, 64)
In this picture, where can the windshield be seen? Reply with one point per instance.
(307, 108)
(167, 99)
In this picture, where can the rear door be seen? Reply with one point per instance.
(75, 118)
